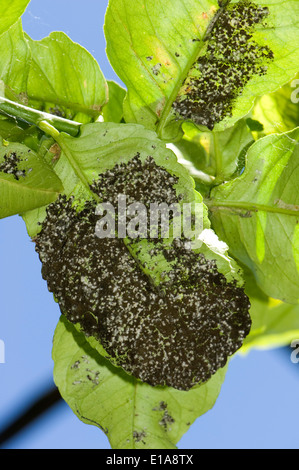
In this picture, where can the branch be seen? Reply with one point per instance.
(33, 116)
(43, 404)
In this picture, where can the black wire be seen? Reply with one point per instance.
(39, 407)
(48, 400)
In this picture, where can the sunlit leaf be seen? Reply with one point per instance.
(10, 12)
(258, 215)
(174, 55)
(26, 182)
(132, 414)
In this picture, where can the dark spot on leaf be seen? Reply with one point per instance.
(246, 215)
(231, 59)
(75, 365)
(93, 376)
(139, 436)
(77, 382)
(254, 125)
(56, 151)
(176, 334)
(150, 57)
(161, 407)
(57, 111)
(156, 69)
(166, 421)
(23, 97)
(10, 166)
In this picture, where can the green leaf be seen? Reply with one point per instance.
(14, 63)
(194, 152)
(134, 415)
(13, 131)
(224, 150)
(113, 110)
(274, 323)
(65, 79)
(158, 44)
(279, 111)
(26, 181)
(257, 214)
(101, 146)
(86, 167)
(143, 53)
(10, 12)
(54, 75)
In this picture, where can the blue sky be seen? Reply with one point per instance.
(258, 404)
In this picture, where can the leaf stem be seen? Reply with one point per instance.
(218, 158)
(46, 127)
(179, 83)
(51, 125)
(34, 116)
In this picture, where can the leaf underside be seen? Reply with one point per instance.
(134, 415)
(198, 53)
(163, 320)
(257, 214)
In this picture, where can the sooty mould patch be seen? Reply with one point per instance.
(139, 436)
(231, 59)
(161, 407)
(57, 111)
(156, 69)
(93, 377)
(133, 179)
(176, 334)
(166, 421)
(10, 166)
(76, 365)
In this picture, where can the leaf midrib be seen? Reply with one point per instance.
(92, 110)
(28, 188)
(212, 205)
(179, 82)
(176, 89)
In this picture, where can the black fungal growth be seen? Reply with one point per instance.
(143, 182)
(176, 336)
(231, 59)
(10, 166)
